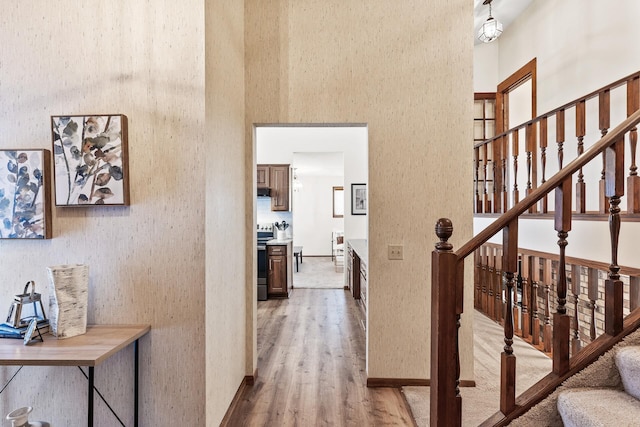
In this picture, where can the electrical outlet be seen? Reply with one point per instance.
(396, 251)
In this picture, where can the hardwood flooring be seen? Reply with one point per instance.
(311, 367)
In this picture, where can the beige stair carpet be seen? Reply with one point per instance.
(595, 407)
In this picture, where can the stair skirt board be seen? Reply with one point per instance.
(598, 407)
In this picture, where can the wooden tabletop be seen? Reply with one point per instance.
(90, 349)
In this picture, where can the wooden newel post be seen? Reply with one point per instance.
(446, 403)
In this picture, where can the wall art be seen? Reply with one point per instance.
(25, 207)
(90, 160)
(358, 199)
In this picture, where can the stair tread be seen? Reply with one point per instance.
(598, 407)
(628, 364)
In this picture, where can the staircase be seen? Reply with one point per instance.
(591, 406)
(618, 322)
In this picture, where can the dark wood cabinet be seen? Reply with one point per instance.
(280, 270)
(355, 275)
(276, 178)
(279, 184)
(262, 176)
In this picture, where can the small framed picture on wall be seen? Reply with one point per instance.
(358, 199)
(90, 160)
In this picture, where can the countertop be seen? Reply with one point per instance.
(360, 247)
(276, 242)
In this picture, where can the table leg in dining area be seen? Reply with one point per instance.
(297, 253)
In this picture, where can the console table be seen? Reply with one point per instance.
(91, 349)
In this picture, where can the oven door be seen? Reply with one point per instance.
(262, 272)
(262, 264)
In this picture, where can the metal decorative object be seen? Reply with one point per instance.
(25, 307)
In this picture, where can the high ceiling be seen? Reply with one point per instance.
(505, 11)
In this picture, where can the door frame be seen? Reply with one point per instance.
(528, 72)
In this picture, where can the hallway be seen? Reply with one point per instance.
(311, 367)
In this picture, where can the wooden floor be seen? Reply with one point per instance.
(311, 367)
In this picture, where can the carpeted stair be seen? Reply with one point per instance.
(602, 407)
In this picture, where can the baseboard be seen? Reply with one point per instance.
(409, 382)
(396, 382)
(247, 381)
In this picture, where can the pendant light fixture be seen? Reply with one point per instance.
(491, 29)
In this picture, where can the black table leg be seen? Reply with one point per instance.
(135, 382)
(90, 397)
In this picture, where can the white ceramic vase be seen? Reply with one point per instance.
(68, 296)
(20, 418)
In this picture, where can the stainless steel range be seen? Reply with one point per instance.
(264, 233)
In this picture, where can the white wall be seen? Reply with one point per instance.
(313, 214)
(486, 66)
(580, 45)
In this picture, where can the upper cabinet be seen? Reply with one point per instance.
(263, 176)
(279, 184)
(276, 178)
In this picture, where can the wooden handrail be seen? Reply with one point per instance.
(566, 106)
(609, 139)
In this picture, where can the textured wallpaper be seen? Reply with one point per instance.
(144, 59)
(404, 69)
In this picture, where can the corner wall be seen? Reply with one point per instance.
(404, 69)
(224, 154)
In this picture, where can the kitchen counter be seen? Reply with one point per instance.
(360, 247)
(273, 242)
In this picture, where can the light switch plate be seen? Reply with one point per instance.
(396, 252)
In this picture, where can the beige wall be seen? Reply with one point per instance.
(145, 59)
(404, 69)
(224, 152)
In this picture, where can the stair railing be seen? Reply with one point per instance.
(447, 280)
(517, 161)
(535, 292)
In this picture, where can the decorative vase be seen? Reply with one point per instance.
(68, 296)
(20, 418)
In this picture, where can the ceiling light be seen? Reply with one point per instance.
(491, 29)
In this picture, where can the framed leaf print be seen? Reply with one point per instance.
(90, 160)
(25, 206)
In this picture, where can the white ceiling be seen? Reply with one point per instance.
(505, 11)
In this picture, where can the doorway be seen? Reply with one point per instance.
(516, 104)
(295, 145)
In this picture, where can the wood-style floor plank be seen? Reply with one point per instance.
(311, 367)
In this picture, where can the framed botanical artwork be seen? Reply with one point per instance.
(90, 160)
(25, 194)
(358, 199)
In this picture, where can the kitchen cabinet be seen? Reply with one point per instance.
(279, 184)
(262, 176)
(280, 270)
(276, 178)
(357, 271)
